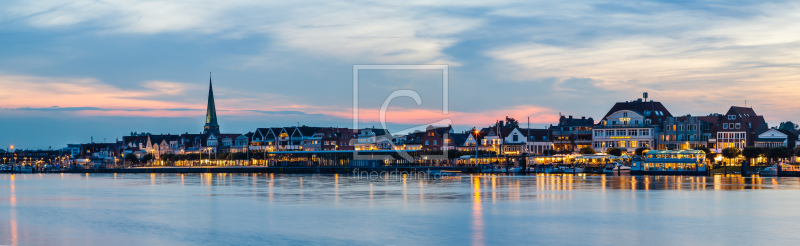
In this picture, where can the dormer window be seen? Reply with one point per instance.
(731, 117)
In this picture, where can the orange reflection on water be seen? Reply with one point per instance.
(405, 190)
(371, 197)
(477, 213)
(494, 189)
(421, 192)
(13, 212)
(336, 186)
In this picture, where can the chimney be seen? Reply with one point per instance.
(500, 123)
(583, 117)
(639, 100)
(570, 117)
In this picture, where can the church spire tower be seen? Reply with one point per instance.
(211, 112)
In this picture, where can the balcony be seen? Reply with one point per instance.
(572, 132)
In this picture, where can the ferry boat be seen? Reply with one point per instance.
(670, 162)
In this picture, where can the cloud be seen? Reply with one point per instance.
(680, 53)
(369, 31)
(92, 97)
(73, 109)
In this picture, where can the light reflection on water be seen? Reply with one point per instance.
(212, 209)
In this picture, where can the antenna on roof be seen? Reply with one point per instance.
(645, 96)
(745, 103)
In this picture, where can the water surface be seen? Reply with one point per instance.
(246, 209)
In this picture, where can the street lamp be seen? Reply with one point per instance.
(476, 146)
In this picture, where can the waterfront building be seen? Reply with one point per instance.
(259, 141)
(346, 137)
(372, 139)
(311, 138)
(411, 141)
(331, 137)
(740, 127)
(222, 142)
(776, 138)
(540, 141)
(160, 144)
(689, 132)
(458, 141)
(572, 134)
(473, 140)
(99, 151)
(73, 150)
(630, 125)
(437, 138)
(32, 157)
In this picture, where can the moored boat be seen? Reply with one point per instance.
(769, 171)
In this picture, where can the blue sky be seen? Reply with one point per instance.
(72, 70)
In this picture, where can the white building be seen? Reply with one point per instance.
(630, 125)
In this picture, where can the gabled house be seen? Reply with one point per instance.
(630, 125)
(572, 134)
(739, 127)
(539, 141)
(160, 144)
(372, 139)
(193, 143)
(776, 138)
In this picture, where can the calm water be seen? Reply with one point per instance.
(242, 209)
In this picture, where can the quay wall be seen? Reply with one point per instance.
(271, 169)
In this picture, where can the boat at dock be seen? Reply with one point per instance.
(769, 171)
(614, 167)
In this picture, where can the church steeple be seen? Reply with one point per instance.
(211, 111)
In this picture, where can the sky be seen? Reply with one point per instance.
(77, 71)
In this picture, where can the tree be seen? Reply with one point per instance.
(587, 151)
(791, 126)
(641, 150)
(730, 152)
(751, 153)
(779, 153)
(146, 158)
(511, 122)
(614, 151)
(131, 158)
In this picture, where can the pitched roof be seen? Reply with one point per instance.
(307, 130)
(569, 121)
(158, 138)
(655, 111)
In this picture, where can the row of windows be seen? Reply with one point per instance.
(621, 144)
(730, 126)
(692, 127)
(681, 137)
(630, 132)
(731, 135)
